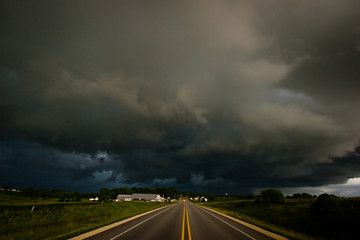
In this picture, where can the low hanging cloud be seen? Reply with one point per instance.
(222, 95)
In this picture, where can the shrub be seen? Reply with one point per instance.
(272, 196)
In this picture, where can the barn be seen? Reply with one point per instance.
(123, 197)
(140, 197)
(146, 197)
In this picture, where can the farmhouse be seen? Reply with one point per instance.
(140, 196)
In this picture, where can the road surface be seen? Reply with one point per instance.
(183, 221)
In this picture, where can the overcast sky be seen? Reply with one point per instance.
(198, 95)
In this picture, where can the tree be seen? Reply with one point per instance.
(326, 205)
(328, 216)
(103, 194)
(62, 198)
(30, 192)
(44, 193)
(76, 197)
(113, 194)
(296, 196)
(125, 190)
(272, 196)
(306, 196)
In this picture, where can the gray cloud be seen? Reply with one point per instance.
(32, 165)
(238, 93)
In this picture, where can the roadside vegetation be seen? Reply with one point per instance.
(297, 217)
(66, 196)
(56, 214)
(25, 217)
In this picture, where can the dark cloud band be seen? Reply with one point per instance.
(242, 94)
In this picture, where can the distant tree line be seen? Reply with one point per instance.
(273, 196)
(172, 193)
(103, 194)
(301, 196)
(326, 215)
(62, 195)
(107, 194)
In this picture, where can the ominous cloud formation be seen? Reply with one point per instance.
(201, 95)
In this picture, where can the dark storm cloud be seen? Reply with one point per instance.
(32, 165)
(215, 95)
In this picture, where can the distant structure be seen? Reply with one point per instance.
(125, 198)
(9, 190)
(140, 197)
(203, 199)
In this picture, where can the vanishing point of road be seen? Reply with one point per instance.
(179, 222)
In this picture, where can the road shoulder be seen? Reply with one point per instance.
(107, 227)
(256, 228)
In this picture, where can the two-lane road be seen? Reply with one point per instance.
(181, 221)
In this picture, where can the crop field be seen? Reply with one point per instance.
(53, 220)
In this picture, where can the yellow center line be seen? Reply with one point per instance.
(188, 225)
(185, 215)
(183, 225)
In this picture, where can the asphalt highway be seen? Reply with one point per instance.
(183, 221)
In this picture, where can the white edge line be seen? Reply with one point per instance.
(229, 224)
(256, 228)
(107, 227)
(141, 223)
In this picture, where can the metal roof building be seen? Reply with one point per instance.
(140, 196)
(123, 197)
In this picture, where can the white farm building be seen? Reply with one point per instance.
(140, 196)
(126, 198)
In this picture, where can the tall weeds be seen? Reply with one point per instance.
(60, 221)
(327, 217)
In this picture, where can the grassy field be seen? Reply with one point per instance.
(53, 220)
(270, 218)
(13, 199)
(298, 218)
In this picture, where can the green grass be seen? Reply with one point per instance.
(53, 220)
(285, 219)
(15, 199)
(226, 199)
(327, 217)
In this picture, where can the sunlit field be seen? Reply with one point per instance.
(53, 220)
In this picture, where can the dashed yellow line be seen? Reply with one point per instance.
(185, 215)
